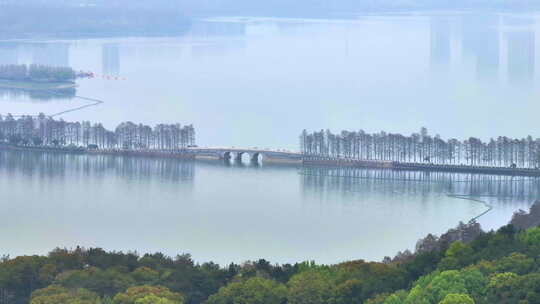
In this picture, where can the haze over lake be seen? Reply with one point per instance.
(257, 82)
(233, 77)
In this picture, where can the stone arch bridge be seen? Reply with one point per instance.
(267, 155)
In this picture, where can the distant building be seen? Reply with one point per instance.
(51, 54)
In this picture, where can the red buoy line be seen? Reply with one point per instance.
(91, 75)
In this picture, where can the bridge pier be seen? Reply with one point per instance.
(255, 158)
(238, 157)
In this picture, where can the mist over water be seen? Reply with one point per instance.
(233, 77)
(258, 82)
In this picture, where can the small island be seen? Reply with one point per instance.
(36, 77)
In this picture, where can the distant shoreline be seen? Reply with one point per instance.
(310, 161)
(36, 85)
(87, 151)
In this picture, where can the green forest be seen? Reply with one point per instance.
(494, 267)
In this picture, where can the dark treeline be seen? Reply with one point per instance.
(46, 131)
(464, 266)
(422, 147)
(34, 72)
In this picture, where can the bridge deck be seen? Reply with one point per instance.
(288, 157)
(223, 152)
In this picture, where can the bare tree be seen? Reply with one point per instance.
(421, 147)
(45, 131)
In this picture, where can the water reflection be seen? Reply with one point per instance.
(521, 57)
(16, 94)
(480, 34)
(61, 166)
(494, 47)
(122, 203)
(217, 38)
(228, 73)
(9, 53)
(110, 57)
(211, 29)
(440, 41)
(475, 38)
(365, 183)
(51, 54)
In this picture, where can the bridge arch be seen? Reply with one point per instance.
(238, 157)
(247, 155)
(256, 157)
(227, 155)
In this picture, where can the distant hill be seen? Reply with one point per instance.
(98, 18)
(280, 7)
(64, 21)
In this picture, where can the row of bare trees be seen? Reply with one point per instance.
(422, 147)
(46, 131)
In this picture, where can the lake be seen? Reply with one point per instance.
(235, 212)
(248, 81)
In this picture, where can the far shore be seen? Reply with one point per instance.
(36, 85)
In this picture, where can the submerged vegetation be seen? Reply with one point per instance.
(492, 267)
(45, 131)
(422, 147)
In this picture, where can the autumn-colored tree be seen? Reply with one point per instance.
(310, 287)
(457, 298)
(145, 276)
(255, 290)
(457, 256)
(56, 294)
(146, 294)
(438, 287)
(104, 282)
(517, 263)
(503, 288)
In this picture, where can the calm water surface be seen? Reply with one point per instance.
(233, 212)
(258, 82)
